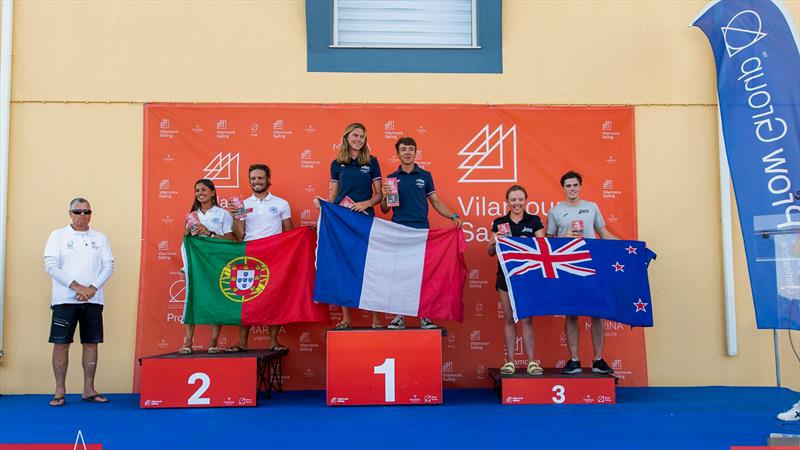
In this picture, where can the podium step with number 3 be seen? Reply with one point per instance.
(554, 388)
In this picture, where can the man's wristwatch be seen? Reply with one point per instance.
(211, 234)
(453, 216)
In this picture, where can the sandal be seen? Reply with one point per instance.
(58, 401)
(96, 398)
(187, 348)
(534, 368)
(279, 348)
(235, 349)
(508, 368)
(342, 325)
(377, 326)
(214, 350)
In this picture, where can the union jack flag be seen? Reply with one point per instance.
(520, 258)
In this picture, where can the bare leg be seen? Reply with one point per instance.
(509, 327)
(89, 362)
(571, 329)
(188, 335)
(215, 329)
(60, 363)
(528, 337)
(598, 336)
(376, 320)
(244, 333)
(273, 334)
(346, 315)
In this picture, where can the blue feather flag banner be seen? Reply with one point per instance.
(582, 277)
(755, 47)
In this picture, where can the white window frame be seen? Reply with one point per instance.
(474, 44)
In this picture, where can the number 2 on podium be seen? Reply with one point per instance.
(387, 370)
(205, 383)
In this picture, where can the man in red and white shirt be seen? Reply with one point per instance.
(79, 261)
(266, 215)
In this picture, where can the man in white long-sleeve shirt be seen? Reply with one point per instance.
(79, 261)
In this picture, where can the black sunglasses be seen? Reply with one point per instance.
(79, 212)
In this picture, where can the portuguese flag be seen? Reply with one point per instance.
(266, 281)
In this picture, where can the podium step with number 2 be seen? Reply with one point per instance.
(384, 367)
(200, 380)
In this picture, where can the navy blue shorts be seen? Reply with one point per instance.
(66, 318)
(500, 284)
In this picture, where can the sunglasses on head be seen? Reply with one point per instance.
(79, 212)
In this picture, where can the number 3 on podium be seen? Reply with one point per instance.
(559, 390)
(387, 370)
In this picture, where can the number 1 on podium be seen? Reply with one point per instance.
(387, 370)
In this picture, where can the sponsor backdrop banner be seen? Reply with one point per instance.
(474, 152)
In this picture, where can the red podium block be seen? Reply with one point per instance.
(197, 382)
(384, 367)
(554, 388)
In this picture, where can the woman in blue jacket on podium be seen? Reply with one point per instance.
(355, 184)
(517, 223)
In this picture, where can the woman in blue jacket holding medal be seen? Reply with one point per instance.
(355, 184)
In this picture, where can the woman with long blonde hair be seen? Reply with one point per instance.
(355, 184)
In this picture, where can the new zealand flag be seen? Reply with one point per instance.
(582, 277)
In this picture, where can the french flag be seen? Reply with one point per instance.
(373, 264)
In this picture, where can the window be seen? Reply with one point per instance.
(433, 36)
(405, 24)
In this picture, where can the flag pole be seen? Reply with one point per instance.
(6, 58)
(777, 358)
(727, 244)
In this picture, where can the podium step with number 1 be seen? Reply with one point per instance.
(384, 367)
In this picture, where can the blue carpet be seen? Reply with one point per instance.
(643, 418)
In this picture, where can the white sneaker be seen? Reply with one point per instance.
(792, 414)
(398, 323)
(426, 324)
